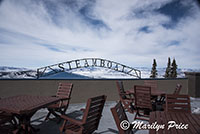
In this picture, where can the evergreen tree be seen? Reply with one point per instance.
(153, 70)
(173, 69)
(168, 69)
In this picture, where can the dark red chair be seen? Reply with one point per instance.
(127, 99)
(143, 102)
(178, 103)
(119, 115)
(90, 121)
(64, 93)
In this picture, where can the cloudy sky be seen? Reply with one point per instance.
(36, 33)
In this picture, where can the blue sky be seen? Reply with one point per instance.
(36, 33)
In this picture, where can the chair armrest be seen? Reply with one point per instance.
(128, 95)
(63, 99)
(129, 92)
(71, 120)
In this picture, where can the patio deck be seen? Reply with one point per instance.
(106, 126)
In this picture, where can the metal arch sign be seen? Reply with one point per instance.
(87, 62)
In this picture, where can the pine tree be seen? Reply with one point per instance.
(153, 70)
(173, 69)
(168, 69)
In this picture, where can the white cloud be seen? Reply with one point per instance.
(67, 30)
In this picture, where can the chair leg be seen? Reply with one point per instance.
(63, 126)
(13, 122)
(55, 114)
(47, 117)
(129, 107)
(137, 112)
(130, 110)
(138, 116)
(58, 116)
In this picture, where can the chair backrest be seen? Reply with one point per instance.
(178, 103)
(143, 97)
(177, 89)
(119, 115)
(64, 91)
(151, 83)
(121, 91)
(120, 86)
(93, 113)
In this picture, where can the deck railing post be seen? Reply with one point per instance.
(193, 83)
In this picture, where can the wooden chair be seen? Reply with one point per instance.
(5, 129)
(177, 103)
(126, 98)
(176, 92)
(64, 93)
(90, 121)
(119, 115)
(143, 102)
(177, 89)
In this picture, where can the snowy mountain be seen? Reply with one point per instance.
(14, 72)
(145, 72)
(82, 73)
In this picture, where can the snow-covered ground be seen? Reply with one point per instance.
(107, 124)
(195, 105)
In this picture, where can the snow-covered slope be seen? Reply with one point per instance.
(83, 73)
(14, 72)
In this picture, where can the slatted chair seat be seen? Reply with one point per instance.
(64, 93)
(4, 118)
(90, 121)
(119, 115)
(178, 103)
(7, 123)
(127, 99)
(71, 128)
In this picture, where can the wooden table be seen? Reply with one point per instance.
(185, 123)
(23, 107)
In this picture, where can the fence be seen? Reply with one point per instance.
(83, 89)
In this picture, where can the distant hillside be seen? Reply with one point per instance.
(16, 73)
(21, 73)
(81, 73)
